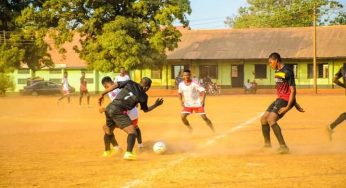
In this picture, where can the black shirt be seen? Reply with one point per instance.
(284, 78)
(130, 95)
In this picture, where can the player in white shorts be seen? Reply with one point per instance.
(190, 94)
(65, 88)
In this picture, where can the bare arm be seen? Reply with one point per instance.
(114, 86)
(157, 103)
(181, 99)
(203, 95)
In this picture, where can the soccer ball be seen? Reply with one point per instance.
(159, 147)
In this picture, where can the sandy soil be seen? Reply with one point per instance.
(44, 144)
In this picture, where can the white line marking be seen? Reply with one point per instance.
(137, 182)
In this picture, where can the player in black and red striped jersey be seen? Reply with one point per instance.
(286, 99)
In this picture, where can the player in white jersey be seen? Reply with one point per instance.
(190, 94)
(65, 88)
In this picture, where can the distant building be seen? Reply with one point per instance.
(228, 56)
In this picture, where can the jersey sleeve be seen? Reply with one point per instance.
(123, 84)
(144, 103)
(199, 88)
(290, 78)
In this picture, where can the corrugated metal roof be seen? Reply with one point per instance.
(295, 43)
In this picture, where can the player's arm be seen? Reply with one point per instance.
(203, 95)
(157, 103)
(336, 80)
(181, 99)
(111, 88)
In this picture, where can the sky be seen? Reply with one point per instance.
(211, 14)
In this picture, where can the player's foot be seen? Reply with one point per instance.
(330, 133)
(283, 150)
(267, 145)
(117, 149)
(107, 153)
(130, 156)
(190, 128)
(141, 146)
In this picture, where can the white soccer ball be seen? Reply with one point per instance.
(159, 147)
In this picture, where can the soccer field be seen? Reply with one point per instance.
(43, 144)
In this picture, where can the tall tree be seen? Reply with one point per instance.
(21, 43)
(286, 13)
(130, 33)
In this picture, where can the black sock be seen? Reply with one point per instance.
(112, 140)
(139, 135)
(107, 142)
(340, 119)
(266, 133)
(277, 131)
(131, 139)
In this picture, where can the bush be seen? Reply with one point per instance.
(6, 83)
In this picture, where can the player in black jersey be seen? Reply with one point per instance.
(342, 117)
(286, 99)
(131, 94)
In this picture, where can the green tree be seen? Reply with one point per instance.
(130, 33)
(286, 13)
(21, 43)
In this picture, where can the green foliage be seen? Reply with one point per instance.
(6, 83)
(21, 43)
(286, 13)
(133, 33)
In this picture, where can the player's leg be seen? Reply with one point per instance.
(126, 125)
(88, 97)
(207, 120)
(330, 128)
(272, 121)
(81, 97)
(185, 121)
(338, 120)
(266, 129)
(139, 137)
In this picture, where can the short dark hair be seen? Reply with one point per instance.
(147, 81)
(106, 79)
(187, 70)
(275, 56)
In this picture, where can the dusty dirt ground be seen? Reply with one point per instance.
(43, 144)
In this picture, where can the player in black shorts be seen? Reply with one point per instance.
(342, 117)
(131, 94)
(286, 99)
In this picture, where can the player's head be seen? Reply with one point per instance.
(107, 82)
(274, 60)
(146, 83)
(65, 74)
(122, 70)
(187, 75)
(83, 73)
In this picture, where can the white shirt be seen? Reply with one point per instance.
(120, 78)
(191, 94)
(65, 84)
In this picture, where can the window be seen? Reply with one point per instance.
(54, 71)
(260, 71)
(23, 71)
(208, 70)
(176, 69)
(55, 80)
(294, 68)
(22, 81)
(322, 70)
(156, 74)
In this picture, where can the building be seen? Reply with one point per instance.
(229, 57)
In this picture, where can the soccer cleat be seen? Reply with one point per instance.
(330, 133)
(283, 150)
(107, 153)
(190, 128)
(141, 146)
(130, 156)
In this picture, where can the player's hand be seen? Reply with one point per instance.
(203, 103)
(158, 101)
(298, 107)
(283, 110)
(102, 109)
(100, 100)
